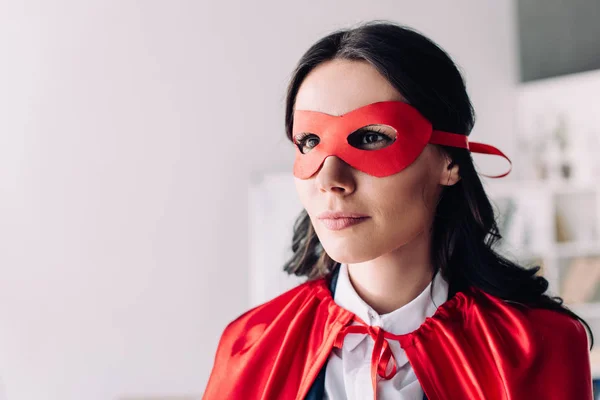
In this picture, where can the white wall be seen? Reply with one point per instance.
(572, 98)
(128, 135)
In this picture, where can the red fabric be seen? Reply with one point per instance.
(413, 132)
(462, 141)
(475, 346)
(381, 357)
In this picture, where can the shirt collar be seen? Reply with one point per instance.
(400, 321)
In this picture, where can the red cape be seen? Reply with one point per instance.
(475, 346)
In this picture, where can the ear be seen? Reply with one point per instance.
(450, 172)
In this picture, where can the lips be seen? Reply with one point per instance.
(340, 214)
(341, 223)
(337, 220)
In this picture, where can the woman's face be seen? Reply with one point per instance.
(400, 207)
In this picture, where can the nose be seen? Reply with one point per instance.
(335, 176)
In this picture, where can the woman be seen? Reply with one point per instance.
(406, 299)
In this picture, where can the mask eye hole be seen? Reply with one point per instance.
(306, 141)
(372, 137)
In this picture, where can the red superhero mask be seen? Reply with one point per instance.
(413, 133)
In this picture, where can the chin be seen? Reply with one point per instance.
(354, 256)
(354, 251)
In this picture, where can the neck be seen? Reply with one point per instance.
(394, 279)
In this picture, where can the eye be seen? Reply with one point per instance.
(306, 141)
(373, 137)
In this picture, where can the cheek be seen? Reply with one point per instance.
(305, 189)
(406, 200)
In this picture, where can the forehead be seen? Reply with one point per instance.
(338, 86)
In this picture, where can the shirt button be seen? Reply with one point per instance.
(372, 315)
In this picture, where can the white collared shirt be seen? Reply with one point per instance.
(348, 372)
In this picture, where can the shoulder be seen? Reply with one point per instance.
(534, 344)
(280, 310)
(290, 328)
(504, 347)
(525, 327)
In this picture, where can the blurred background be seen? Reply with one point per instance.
(146, 196)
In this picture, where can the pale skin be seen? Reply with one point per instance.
(388, 255)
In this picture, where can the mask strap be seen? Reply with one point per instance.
(462, 141)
